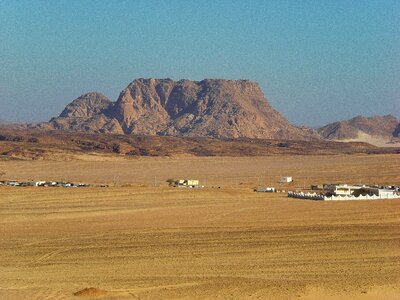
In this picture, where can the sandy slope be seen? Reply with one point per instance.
(229, 243)
(378, 141)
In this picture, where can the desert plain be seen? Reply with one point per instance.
(138, 238)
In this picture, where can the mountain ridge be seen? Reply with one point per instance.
(218, 108)
(211, 107)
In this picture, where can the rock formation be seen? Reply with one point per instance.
(211, 107)
(380, 126)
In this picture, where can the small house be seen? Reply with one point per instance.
(266, 189)
(189, 183)
(344, 189)
(286, 179)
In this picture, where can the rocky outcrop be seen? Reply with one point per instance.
(86, 106)
(91, 112)
(211, 107)
(378, 126)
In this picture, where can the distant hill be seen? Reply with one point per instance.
(208, 108)
(377, 130)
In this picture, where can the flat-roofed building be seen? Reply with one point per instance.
(188, 183)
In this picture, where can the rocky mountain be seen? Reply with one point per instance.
(211, 107)
(86, 106)
(385, 126)
(376, 130)
(91, 112)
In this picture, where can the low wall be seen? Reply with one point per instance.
(366, 197)
(309, 196)
(315, 196)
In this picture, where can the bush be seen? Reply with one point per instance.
(170, 181)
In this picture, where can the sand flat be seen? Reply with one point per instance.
(224, 171)
(167, 243)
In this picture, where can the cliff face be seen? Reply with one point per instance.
(211, 107)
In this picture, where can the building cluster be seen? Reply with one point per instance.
(41, 183)
(323, 192)
(349, 192)
(271, 189)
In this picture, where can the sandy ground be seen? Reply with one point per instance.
(168, 243)
(374, 140)
(217, 171)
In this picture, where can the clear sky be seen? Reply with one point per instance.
(316, 61)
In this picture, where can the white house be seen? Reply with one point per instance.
(345, 190)
(191, 183)
(286, 179)
(268, 189)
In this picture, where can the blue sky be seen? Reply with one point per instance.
(316, 61)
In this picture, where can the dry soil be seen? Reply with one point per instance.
(146, 242)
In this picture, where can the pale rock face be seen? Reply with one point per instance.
(378, 126)
(86, 106)
(139, 107)
(211, 107)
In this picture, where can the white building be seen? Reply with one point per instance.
(286, 179)
(356, 190)
(345, 190)
(267, 189)
(191, 183)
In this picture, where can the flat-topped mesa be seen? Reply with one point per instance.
(211, 107)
